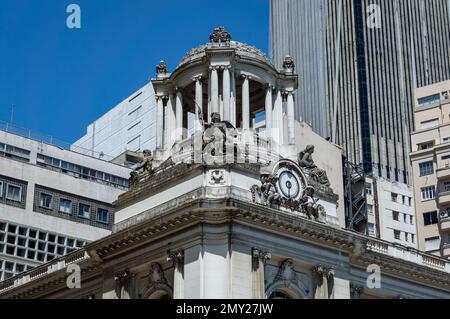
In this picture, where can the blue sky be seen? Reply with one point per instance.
(61, 79)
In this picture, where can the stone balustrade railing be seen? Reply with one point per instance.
(40, 271)
(408, 254)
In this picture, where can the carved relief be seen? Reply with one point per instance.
(306, 161)
(142, 169)
(288, 64)
(324, 282)
(219, 35)
(287, 187)
(161, 68)
(157, 283)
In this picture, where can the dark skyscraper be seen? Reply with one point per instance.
(359, 62)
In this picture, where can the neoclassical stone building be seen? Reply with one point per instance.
(238, 201)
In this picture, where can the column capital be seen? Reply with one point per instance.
(214, 67)
(260, 256)
(269, 86)
(246, 76)
(198, 78)
(324, 271)
(176, 257)
(122, 277)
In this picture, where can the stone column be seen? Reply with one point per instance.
(277, 121)
(160, 122)
(324, 282)
(198, 123)
(226, 94)
(179, 117)
(171, 121)
(177, 258)
(246, 102)
(233, 99)
(123, 279)
(269, 107)
(291, 118)
(259, 259)
(214, 90)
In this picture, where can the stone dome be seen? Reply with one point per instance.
(221, 40)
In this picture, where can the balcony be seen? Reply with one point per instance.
(443, 198)
(443, 173)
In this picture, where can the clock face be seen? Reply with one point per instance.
(289, 184)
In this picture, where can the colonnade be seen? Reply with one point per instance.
(225, 104)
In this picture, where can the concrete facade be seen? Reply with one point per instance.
(129, 126)
(42, 191)
(390, 212)
(430, 161)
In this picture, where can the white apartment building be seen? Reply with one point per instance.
(390, 210)
(129, 126)
(430, 160)
(52, 201)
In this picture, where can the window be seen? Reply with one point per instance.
(370, 209)
(14, 193)
(395, 215)
(432, 244)
(397, 234)
(394, 197)
(411, 220)
(371, 229)
(405, 218)
(102, 216)
(410, 201)
(425, 146)
(447, 186)
(446, 139)
(445, 157)
(368, 189)
(426, 168)
(84, 211)
(429, 124)
(428, 193)
(430, 218)
(406, 237)
(45, 201)
(413, 238)
(428, 100)
(1, 189)
(65, 206)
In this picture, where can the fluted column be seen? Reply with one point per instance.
(259, 260)
(198, 123)
(226, 94)
(160, 122)
(291, 118)
(245, 103)
(177, 258)
(179, 117)
(214, 91)
(269, 107)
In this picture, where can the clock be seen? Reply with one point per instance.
(289, 184)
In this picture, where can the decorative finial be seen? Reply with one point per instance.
(288, 64)
(219, 35)
(161, 68)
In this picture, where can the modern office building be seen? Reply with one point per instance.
(129, 126)
(390, 212)
(359, 62)
(261, 224)
(430, 160)
(52, 201)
